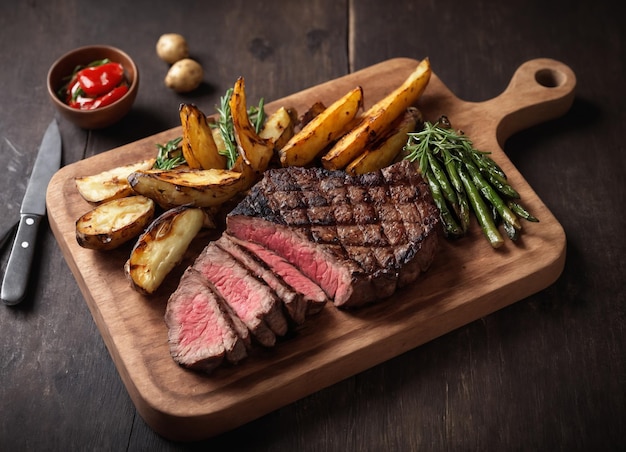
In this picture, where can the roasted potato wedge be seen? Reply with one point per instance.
(114, 222)
(390, 146)
(198, 144)
(322, 130)
(377, 118)
(161, 247)
(197, 188)
(279, 127)
(110, 184)
(255, 151)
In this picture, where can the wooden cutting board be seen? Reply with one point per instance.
(468, 279)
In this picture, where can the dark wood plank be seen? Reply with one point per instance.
(50, 343)
(546, 373)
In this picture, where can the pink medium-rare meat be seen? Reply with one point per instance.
(301, 237)
(251, 300)
(331, 274)
(312, 294)
(201, 333)
(295, 305)
(359, 238)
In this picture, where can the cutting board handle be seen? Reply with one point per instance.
(540, 90)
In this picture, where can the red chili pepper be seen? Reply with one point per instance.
(110, 97)
(91, 103)
(99, 80)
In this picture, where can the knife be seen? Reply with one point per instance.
(32, 211)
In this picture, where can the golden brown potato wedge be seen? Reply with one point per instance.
(386, 151)
(110, 184)
(197, 188)
(377, 118)
(114, 222)
(161, 247)
(322, 130)
(198, 144)
(255, 151)
(279, 127)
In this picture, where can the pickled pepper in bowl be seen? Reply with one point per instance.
(96, 85)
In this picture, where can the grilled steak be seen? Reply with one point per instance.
(312, 295)
(294, 302)
(252, 300)
(201, 332)
(300, 238)
(358, 238)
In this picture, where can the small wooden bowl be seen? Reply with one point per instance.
(100, 117)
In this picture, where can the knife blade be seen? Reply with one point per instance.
(32, 210)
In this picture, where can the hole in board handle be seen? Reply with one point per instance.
(549, 78)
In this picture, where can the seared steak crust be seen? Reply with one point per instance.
(301, 237)
(358, 237)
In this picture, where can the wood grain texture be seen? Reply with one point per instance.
(463, 285)
(545, 373)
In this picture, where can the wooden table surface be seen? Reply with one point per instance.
(546, 373)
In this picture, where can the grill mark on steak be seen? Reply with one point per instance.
(365, 243)
(252, 300)
(300, 237)
(357, 237)
(413, 219)
(201, 333)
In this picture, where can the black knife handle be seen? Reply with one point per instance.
(18, 267)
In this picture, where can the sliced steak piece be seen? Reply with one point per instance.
(294, 302)
(358, 238)
(312, 294)
(201, 332)
(249, 297)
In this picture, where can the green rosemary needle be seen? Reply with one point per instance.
(226, 128)
(169, 155)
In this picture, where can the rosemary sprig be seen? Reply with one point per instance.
(169, 155)
(226, 128)
(257, 115)
(225, 124)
